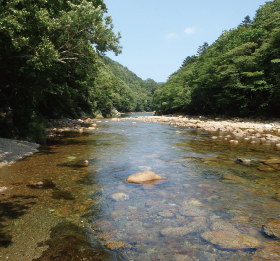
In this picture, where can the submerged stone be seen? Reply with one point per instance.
(143, 176)
(225, 235)
(116, 244)
(120, 196)
(226, 239)
(265, 168)
(64, 211)
(272, 228)
(271, 161)
(235, 178)
(176, 231)
(166, 213)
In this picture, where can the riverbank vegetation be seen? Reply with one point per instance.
(237, 75)
(52, 65)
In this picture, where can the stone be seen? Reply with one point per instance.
(225, 235)
(233, 141)
(271, 161)
(81, 163)
(193, 212)
(2, 189)
(243, 160)
(64, 211)
(241, 219)
(272, 254)
(228, 240)
(235, 178)
(166, 213)
(193, 202)
(176, 231)
(120, 196)
(143, 177)
(272, 228)
(265, 168)
(112, 245)
(199, 223)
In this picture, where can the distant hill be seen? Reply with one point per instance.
(141, 91)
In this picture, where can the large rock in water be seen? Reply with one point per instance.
(143, 176)
(225, 235)
(272, 228)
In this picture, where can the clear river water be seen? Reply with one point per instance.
(210, 207)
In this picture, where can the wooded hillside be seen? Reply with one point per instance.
(236, 75)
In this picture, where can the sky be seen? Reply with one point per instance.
(157, 35)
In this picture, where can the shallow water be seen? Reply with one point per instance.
(73, 215)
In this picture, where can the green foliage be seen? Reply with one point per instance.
(51, 63)
(237, 75)
(136, 94)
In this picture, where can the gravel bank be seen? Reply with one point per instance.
(256, 131)
(12, 150)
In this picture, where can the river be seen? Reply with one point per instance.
(210, 207)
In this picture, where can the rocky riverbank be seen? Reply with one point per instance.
(231, 130)
(236, 129)
(84, 124)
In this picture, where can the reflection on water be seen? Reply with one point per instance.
(211, 207)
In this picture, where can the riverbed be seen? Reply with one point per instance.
(212, 206)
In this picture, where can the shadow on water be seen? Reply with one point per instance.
(12, 209)
(70, 242)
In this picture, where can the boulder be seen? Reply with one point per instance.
(225, 235)
(228, 240)
(143, 177)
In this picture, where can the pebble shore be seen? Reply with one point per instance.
(13, 150)
(256, 131)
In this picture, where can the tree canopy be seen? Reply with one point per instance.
(52, 63)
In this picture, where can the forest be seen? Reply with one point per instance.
(53, 65)
(237, 75)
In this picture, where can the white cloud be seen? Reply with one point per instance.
(190, 30)
(171, 36)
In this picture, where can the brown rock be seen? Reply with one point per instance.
(116, 244)
(271, 161)
(65, 211)
(235, 178)
(225, 235)
(265, 168)
(176, 231)
(143, 176)
(272, 228)
(227, 239)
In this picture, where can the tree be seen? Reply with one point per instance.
(50, 54)
(246, 22)
(202, 49)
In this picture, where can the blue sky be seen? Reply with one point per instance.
(157, 35)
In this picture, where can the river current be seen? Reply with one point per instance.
(210, 207)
